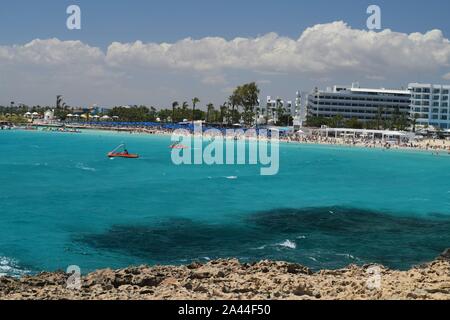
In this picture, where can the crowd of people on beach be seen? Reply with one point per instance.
(435, 146)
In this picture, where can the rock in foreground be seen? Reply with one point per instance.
(231, 280)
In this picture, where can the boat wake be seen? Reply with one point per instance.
(85, 168)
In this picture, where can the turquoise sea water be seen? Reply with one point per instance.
(63, 202)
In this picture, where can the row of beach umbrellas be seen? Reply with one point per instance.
(105, 117)
(31, 114)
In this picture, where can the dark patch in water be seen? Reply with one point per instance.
(327, 237)
(369, 236)
(174, 240)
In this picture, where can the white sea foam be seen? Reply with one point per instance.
(231, 177)
(346, 255)
(85, 168)
(9, 267)
(260, 248)
(288, 244)
(285, 244)
(301, 237)
(38, 164)
(419, 199)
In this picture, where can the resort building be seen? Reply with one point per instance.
(430, 105)
(49, 115)
(361, 103)
(300, 110)
(276, 108)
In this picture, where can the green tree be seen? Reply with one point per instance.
(133, 114)
(247, 97)
(316, 122)
(195, 101)
(185, 110)
(210, 113)
(337, 121)
(354, 123)
(174, 106)
(234, 103)
(164, 115)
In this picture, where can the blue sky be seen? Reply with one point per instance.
(140, 73)
(105, 21)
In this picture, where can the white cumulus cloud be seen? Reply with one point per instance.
(134, 71)
(322, 48)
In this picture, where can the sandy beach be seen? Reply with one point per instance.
(434, 146)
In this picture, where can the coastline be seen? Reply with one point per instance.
(232, 280)
(433, 146)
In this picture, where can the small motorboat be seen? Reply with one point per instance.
(178, 146)
(117, 153)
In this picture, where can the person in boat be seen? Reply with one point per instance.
(125, 152)
(176, 144)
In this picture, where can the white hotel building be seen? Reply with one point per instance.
(361, 103)
(430, 105)
(269, 113)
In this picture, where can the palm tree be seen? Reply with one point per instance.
(184, 110)
(194, 103)
(210, 108)
(174, 105)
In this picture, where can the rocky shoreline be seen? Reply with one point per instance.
(232, 280)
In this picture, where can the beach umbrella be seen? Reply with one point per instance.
(84, 116)
(105, 118)
(69, 115)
